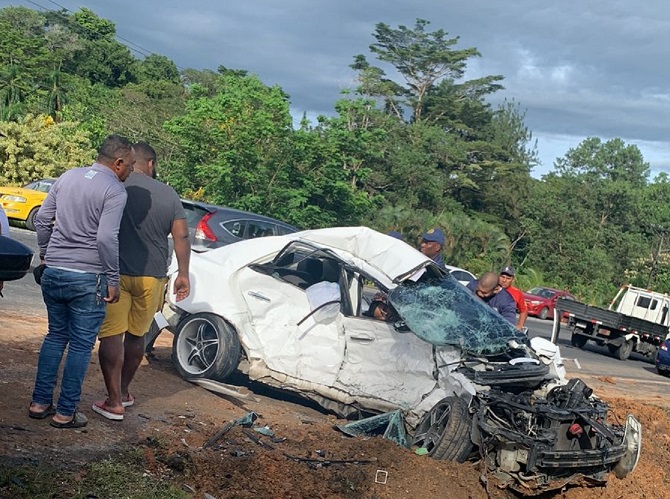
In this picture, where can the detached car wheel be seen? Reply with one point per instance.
(444, 431)
(205, 346)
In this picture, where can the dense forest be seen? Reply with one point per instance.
(425, 149)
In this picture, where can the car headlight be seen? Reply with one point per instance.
(16, 199)
(535, 302)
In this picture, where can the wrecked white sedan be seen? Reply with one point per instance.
(294, 312)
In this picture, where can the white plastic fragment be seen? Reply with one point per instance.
(381, 476)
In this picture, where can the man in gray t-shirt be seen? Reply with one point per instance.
(77, 232)
(153, 212)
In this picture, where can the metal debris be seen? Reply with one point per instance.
(224, 389)
(325, 462)
(392, 422)
(264, 430)
(246, 420)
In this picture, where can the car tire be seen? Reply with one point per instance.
(623, 351)
(577, 340)
(205, 346)
(544, 313)
(30, 221)
(444, 431)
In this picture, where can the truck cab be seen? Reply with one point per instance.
(643, 304)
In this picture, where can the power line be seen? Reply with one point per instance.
(124, 41)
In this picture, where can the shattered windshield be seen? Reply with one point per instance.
(442, 311)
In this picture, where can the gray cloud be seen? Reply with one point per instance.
(578, 68)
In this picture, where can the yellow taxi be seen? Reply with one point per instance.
(21, 203)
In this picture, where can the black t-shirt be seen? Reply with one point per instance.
(147, 220)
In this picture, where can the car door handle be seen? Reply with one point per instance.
(362, 338)
(255, 294)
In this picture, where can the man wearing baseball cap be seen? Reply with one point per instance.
(505, 280)
(431, 245)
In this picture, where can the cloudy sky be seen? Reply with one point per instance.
(577, 68)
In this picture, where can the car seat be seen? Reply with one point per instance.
(311, 270)
(331, 271)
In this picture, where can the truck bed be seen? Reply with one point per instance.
(610, 318)
(607, 318)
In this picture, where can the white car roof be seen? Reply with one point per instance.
(384, 257)
(384, 254)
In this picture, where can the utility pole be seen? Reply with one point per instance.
(655, 261)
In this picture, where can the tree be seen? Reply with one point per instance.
(235, 144)
(90, 26)
(423, 59)
(584, 218)
(23, 58)
(156, 67)
(504, 181)
(37, 147)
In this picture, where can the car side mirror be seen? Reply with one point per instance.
(15, 259)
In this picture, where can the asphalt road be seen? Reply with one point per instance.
(595, 360)
(25, 295)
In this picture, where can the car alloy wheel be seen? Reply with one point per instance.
(205, 346)
(444, 431)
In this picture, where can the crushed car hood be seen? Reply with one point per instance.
(444, 312)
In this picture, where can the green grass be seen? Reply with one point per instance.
(122, 477)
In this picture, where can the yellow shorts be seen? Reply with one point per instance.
(140, 298)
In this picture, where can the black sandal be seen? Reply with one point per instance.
(78, 421)
(49, 411)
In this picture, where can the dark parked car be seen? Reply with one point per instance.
(214, 226)
(663, 359)
(541, 301)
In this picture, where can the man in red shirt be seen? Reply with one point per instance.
(505, 281)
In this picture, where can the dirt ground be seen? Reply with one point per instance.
(172, 420)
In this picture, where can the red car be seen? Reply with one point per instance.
(541, 301)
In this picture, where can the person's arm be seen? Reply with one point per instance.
(522, 309)
(44, 221)
(182, 250)
(108, 241)
(521, 320)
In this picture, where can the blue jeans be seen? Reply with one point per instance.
(75, 309)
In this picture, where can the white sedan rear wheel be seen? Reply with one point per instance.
(205, 346)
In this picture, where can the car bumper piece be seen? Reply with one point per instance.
(580, 458)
